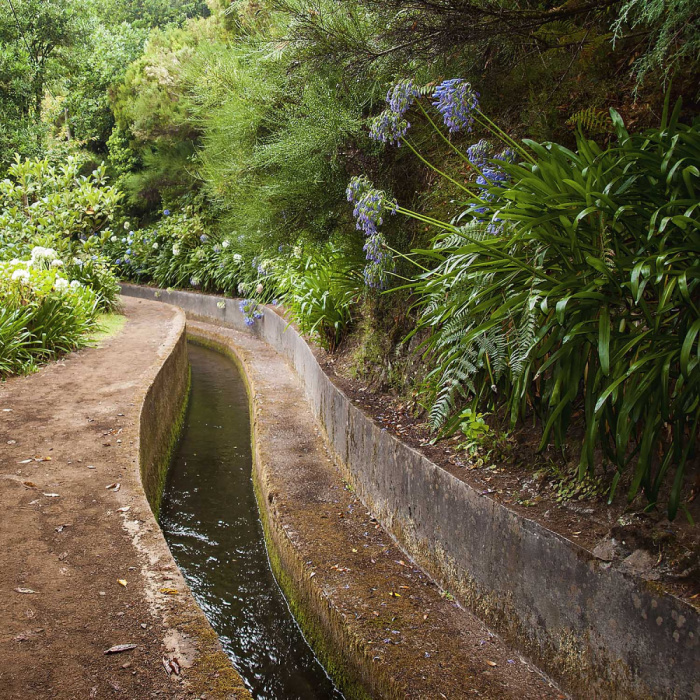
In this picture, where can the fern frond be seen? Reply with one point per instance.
(591, 119)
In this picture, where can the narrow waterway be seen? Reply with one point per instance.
(210, 519)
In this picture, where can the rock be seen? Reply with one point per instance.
(639, 562)
(605, 550)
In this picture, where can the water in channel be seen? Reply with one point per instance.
(210, 519)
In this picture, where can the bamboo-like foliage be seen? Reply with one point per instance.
(582, 294)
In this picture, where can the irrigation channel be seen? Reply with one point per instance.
(211, 522)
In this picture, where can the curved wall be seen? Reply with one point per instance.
(598, 631)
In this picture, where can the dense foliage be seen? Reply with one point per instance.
(53, 279)
(545, 267)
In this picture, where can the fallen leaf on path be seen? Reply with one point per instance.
(121, 582)
(491, 663)
(170, 591)
(50, 495)
(25, 461)
(12, 442)
(42, 459)
(29, 484)
(393, 594)
(124, 509)
(120, 648)
(24, 590)
(113, 487)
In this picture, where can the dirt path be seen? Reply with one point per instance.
(65, 545)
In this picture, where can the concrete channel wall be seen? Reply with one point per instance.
(161, 419)
(599, 632)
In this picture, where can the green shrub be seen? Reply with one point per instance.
(575, 285)
(320, 293)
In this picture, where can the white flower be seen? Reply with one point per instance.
(57, 263)
(242, 288)
(123, 240)
(127, 225)
(75, 284)
(21, 276)
(155, 246)
(226, 244)
(259, 289)
(60, 284)
(297, 251)
(113, 239)
(237, 257)
(42, 255)
(78, 262)
(176, 250)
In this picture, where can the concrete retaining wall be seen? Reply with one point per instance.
(599, 632)
(161, 419)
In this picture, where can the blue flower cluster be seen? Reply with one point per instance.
(402, 96)
(457, 102)
(370, 205)
(250, 310)
(389, 127)
(492, 175)
(380, 262)
(478, 153)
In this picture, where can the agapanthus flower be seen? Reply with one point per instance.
(155, 246)
(507, 156)
(176, 250)
(237, 257)
(457, 102)
(478, 152)
(41, 255)
(21, 276)
(217, 248)
(75, 284)
(56, 263)
(127, 225)
(204, 238)
(389, 127)
(492, 177)
(402, 96)
(226, 244)
(166, 212)
(370, 205)
(250, 310)
(194, 282)
(259, 289)
(60, 284)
